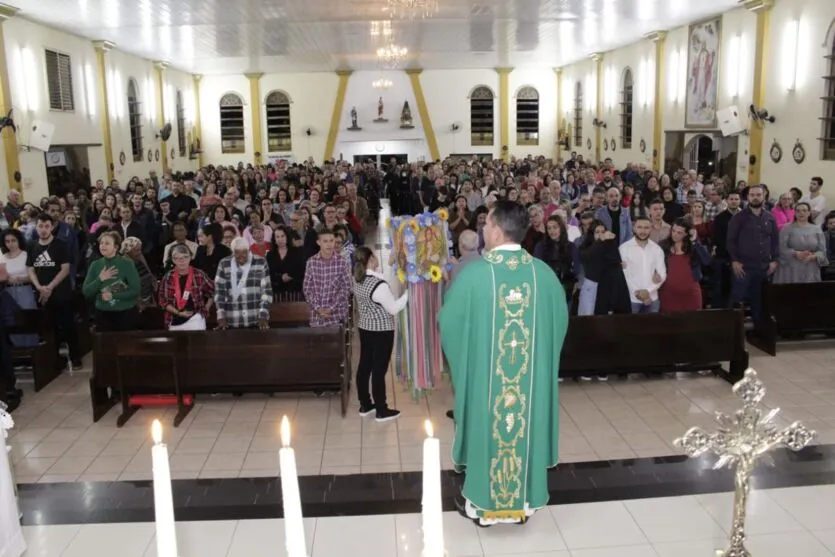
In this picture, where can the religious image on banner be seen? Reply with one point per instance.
(420, 252)
(702, 74)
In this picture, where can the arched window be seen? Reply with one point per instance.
(232, 124)
(135, 120)
(626, 105)
(481, 116)
(527, 116)
(181, 124)
(828, 120)
(578, 115)
(279, 136)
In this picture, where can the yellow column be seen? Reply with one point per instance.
(504, 111)
(255, 104)
(102, 47)
(660, 40)
(598, 130)
(762, 8)
(197, 127)
(558, 72)
(336, 115)
(428, 130)
(160, 69)
(8, 137)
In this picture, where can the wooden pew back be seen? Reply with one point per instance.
(795, 309)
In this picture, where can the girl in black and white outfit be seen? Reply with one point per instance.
(376, 308)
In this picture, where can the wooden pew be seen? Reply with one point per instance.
(656, 343)
(795, 311)
(42, 356)
(289, 357)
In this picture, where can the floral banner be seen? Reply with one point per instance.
(420, 247)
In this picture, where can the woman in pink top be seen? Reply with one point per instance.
(210, 196)
(784, 212)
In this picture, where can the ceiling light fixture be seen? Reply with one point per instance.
(382, 83)
(413, 9)
(392, 55)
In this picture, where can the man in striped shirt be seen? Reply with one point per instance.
(243, 290)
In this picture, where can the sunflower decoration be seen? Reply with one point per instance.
(435, 273)
(443, 214)
(414, 224)
(401, 276)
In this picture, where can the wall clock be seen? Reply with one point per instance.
(122, 158)
(643, 145)
(614, 144)
(776, 152)
(798, 152)
(588, 144)
(605, 144)
(150, 155)
(156, 155)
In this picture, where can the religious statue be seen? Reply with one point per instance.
(380, 108)
(406, 117)
(354, 126)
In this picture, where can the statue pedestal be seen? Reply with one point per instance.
(407, 127)
(354, 129)
(380, 120)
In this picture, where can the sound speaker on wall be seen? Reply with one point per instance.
(41, 136)
(730, 121)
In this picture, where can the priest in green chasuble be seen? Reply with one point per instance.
(502, 326)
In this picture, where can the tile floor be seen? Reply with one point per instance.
(793, 521)
(56, 441)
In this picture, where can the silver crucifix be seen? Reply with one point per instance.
(740, 440)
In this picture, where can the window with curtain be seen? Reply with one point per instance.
(135, 120)
(279, 135)
(828, 118)
(527, 116)
(626, 107)
(232, 124)
(482, 116)
(578, 115)
(181, 124)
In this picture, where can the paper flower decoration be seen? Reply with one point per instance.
(401, 276)
(415, 226)
(411, 269)
(435, 273)
(443, 214)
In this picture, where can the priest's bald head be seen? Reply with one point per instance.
(507, 223)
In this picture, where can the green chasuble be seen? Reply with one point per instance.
(502, 326)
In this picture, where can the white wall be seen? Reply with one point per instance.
(545, 82)
(376, 137)
(798, 111)
(212, 88)
(311, 96)
(584, 72)
(25, 44)
(447, 96)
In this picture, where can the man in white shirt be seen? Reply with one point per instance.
(816, 200)
(644, 267)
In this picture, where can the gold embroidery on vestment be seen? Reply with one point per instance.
(510, 404)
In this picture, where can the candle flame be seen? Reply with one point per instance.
(285, 432)
(429, 431)
(156, 432)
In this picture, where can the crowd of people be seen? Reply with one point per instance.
(234, 239)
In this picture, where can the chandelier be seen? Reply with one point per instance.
(412, 9)
(382, 83)
(392, 55)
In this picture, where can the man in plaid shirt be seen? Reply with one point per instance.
(243, 291)
(327, 284)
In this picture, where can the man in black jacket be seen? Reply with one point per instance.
(720, 265)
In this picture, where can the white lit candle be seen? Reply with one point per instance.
(163, 497)
(432, 510)
(291, 499)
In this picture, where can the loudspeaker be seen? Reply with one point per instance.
(41, 136)
(730, 121)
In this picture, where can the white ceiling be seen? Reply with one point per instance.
(234, 36)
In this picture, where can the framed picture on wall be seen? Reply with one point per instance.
(704, 40)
